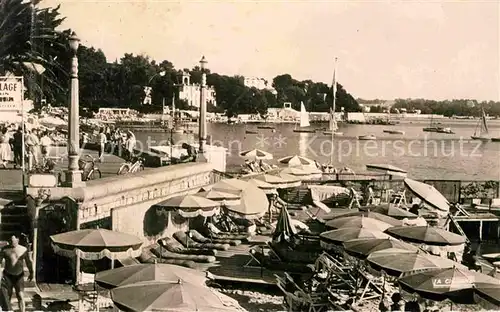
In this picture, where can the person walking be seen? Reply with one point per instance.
(102, 144)
(15, 255)
(33, 143)
(5, 151)
(129, 146)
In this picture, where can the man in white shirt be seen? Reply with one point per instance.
(46, 144)
(102, 143)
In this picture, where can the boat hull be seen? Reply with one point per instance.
(250, 132)
(266, 127)
(394, 131)
(304, 131)
(437, 130)
(495, 139)
(366, 137)
(334, 133)
(484, 139)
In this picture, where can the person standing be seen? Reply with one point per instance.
(130, 146)
(46, 144)
(5, 151)
(102, 144)
(15, 255)
(32, 142)
(17, 146)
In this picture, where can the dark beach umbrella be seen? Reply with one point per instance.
(405, 261)
(345, 234)
(426, 234)
(487, 295)
(170, 297)
(372, 215)
(428, 194)
(148, 272)
(393, 211)
(358, 221)
(387, 169)
(284, 227)
(364, 247)
(439, 284)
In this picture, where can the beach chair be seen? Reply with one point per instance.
(87, 292)
(163, 252)
(198, 237)
(188, 242)
(256, 257)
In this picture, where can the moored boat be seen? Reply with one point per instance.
(266, 127)
(250, 132)
(394, 131)
(481, 134)
(495, 139)
(367, 137)
(304, 121)
(335, 133)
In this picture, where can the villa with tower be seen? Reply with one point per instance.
(191, 92)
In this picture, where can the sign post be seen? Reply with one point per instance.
(12, 100)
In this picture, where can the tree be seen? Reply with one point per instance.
(21, 49)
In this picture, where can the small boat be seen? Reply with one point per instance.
(367, 137)
(394, 131)
(304, 121)
(250, 132)
(266, 127)
(483, 133)
(335, 133)
(435, 127)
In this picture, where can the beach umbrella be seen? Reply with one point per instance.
(358, 222)
(438, 284)
(387, 170)
(296, 160)
(366, 246)
(253, 201)
(95, 244)
(346, 234)
(428, 194)
(226, 198)
(190, 206)
(392, 211)
(279, 182)
(372, 215)
(406, 261)
(171, 297)
(426, 234)
(148, 272)
(487, 295)
(284, 229)
(256, 154)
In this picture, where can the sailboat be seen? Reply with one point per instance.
(434, 127)
(332, 126)
(391, 123)
(483, 133)
(304, 120)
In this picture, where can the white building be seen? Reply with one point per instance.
(258, 83)
(191, 92)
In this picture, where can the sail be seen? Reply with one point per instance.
(304, 116)
(333, 123)
(484, 126)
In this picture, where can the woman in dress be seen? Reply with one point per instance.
(5, 151)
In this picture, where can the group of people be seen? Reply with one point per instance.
(111, 140)
(256, 166)
(38, 144)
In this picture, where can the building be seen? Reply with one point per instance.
(191, 92)
(258, 83)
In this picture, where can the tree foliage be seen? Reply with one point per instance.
(462, 107)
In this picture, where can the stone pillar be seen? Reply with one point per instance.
(73, 175)
(202, 131)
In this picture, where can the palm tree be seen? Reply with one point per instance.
(28, 54)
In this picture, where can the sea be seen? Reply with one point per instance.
(425, 155)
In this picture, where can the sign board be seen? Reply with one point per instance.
(11, 93)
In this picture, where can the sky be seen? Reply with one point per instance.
(385, 49)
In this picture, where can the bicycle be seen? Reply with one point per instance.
(89, 169)
(129, 167)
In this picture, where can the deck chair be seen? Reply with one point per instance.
(198, 237)
(372, 286)
(163, 253)
(256, 258)
(355, 197)
(174, 246)
(187, 241)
